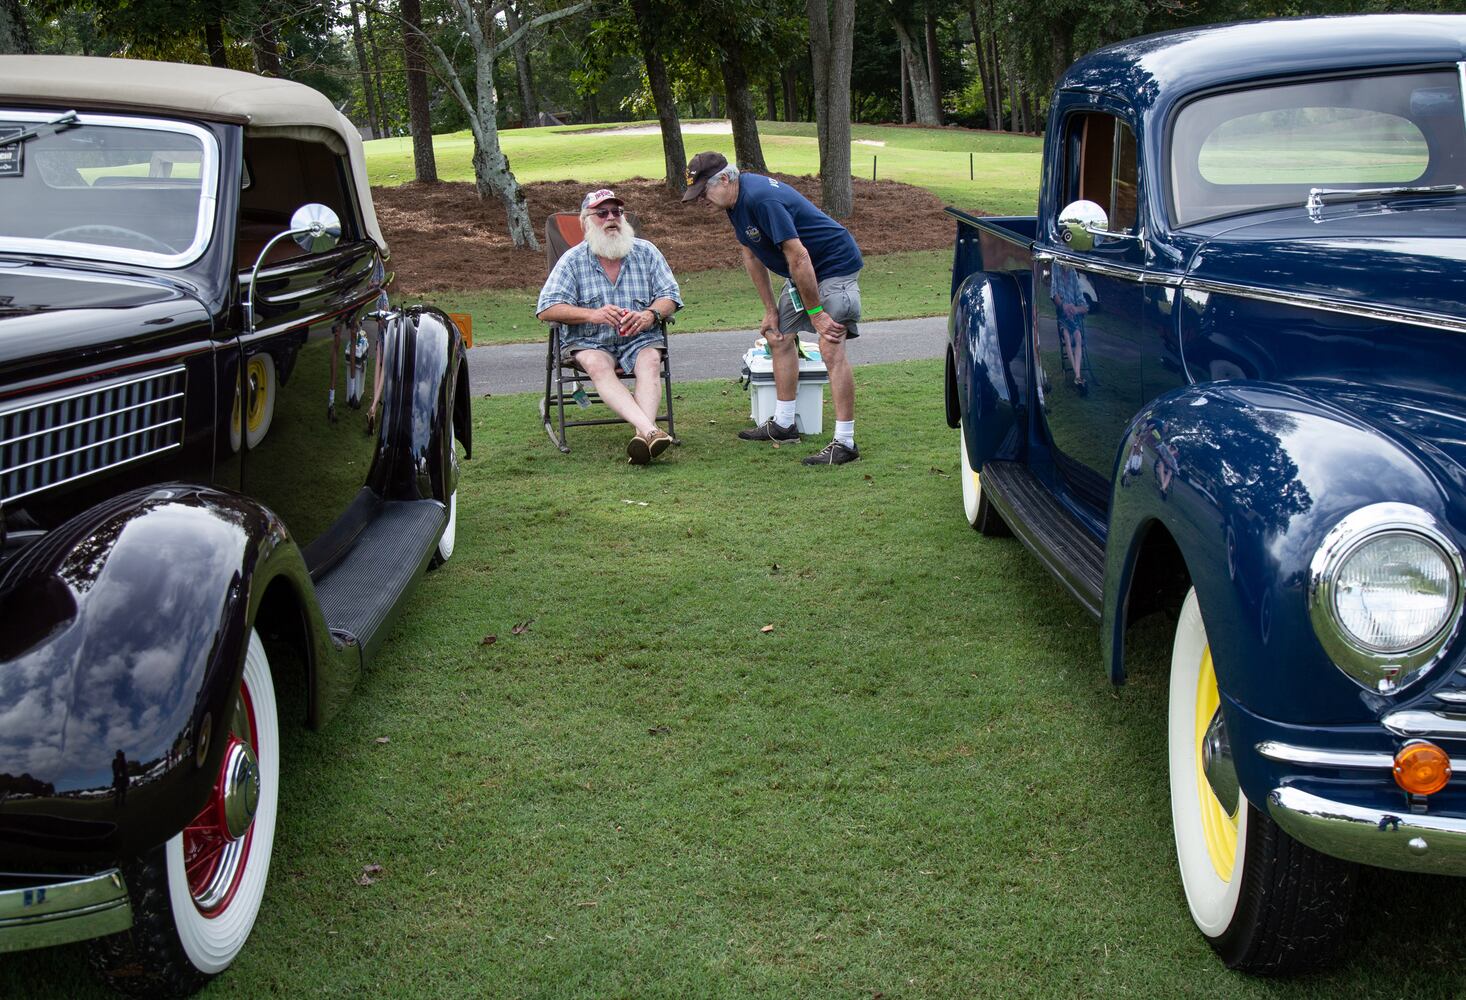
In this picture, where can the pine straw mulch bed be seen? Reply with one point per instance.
(444, 238)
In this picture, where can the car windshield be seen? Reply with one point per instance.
(1265, 147)
(107, 188)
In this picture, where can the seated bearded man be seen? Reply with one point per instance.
(613, 292)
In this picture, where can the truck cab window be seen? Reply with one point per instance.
(1102, 167)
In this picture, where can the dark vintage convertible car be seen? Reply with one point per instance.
(1223, 371)
(200, 449)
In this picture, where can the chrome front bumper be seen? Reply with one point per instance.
(59, 909)
(1415, 842)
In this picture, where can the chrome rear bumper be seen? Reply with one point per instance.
(1415, 842)
(59, 909)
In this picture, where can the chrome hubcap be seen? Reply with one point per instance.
(1217, 764)
(240, 795)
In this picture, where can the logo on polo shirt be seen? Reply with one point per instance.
(753, 234)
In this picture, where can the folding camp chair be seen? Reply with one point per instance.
(565, 380)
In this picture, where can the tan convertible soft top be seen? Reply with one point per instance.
(266, 106)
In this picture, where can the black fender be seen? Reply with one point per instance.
(987, 366)
(1247, 478)
(425, 409)
(126, 630)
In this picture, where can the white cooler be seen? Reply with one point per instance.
(809, 403)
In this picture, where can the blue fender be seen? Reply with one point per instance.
(126, 631)
(425, 408)
(1248, 478)
(987, 366)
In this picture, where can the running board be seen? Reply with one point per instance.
(1065, 547)
(358, 594)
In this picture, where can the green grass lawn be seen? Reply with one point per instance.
(1006, 166)
(892, 286)
(916, 783)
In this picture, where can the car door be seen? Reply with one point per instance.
(1088, 301)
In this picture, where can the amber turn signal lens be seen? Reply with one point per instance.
(1422, 768)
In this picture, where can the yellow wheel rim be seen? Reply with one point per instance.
(255, 380)
(1218, 828)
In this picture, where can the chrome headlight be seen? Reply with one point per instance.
(1384, 593)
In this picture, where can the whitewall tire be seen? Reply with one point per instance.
(1266, 903)
(975, 507)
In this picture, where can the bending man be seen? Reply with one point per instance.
(780, 230)
(613, 292)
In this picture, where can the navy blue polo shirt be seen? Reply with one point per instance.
(769, 212)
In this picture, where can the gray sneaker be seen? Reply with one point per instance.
(833, 453)
(770, 431)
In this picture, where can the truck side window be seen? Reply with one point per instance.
(1102, 167)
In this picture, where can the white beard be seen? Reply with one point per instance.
(612, 246)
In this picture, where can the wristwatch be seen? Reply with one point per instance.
(656, 316)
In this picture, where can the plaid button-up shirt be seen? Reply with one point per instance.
(579, 280)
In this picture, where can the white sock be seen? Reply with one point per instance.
(330, 397)
(845, 432)
(784, 412)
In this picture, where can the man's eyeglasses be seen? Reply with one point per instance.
(608, 213)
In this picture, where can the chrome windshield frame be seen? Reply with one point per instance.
(209, 162)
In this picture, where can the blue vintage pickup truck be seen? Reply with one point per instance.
(1223, 373)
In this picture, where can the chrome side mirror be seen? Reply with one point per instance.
(315, 227)
(1080, 221)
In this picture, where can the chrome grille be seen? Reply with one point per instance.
(65, 436)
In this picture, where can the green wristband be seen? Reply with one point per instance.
(816, 309)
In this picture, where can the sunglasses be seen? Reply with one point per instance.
(608, 213)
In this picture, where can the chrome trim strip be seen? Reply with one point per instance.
(1125, 271)
(92, 472)
(207, 206)
(61, 396)
(1418, 842)
(90, 420)
(1420, 722)
(60, 909)
(95, 444)
(1452, 697)
(1414, 317)
(1348, 760)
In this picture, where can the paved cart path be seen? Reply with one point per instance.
(506, 368)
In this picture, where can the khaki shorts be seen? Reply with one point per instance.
(840, 297)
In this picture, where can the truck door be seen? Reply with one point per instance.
(1088, 306)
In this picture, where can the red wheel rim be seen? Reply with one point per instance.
(213, 859)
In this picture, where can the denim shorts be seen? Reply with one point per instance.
(840, 298)
(623, 350)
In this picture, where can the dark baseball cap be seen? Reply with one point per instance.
(700, 171)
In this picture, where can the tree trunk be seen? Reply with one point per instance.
(771, 98)
(934, 63)
(746, 147)
(1030, 112)
(832, 41)
(905, 90)
(266, 43)
(373, 122)
(419, 110)
(15, 35)
(995, 68)
(214, 43)
(1015, 99)
(371, 34)
(674, 155)
(592, 108)
(528, 99)
(791, 95)
(921, 87)
(491, 173)
(715, 110)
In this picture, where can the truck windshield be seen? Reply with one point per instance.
(1266, 147)
(128, 190)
